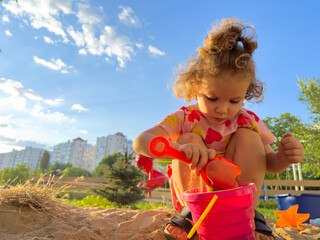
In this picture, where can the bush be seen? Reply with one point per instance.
(94, 202)
(123, 179)
(20, 174)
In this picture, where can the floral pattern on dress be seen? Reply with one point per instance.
(190, 119)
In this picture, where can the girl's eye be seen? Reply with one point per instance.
(211, 99)
(234, 102)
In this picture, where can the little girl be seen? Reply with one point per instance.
(221, 77)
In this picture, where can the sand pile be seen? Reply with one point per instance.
(100, 223)
(31, 212)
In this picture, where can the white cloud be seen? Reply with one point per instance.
(128, 17)
(84, 131)
(38, 111)
(48, 40)
(89, 33)
(5, 120)
(139, 45)
(55, 103)
(108, 42)
(155, 51)
(17, 94)
(25, 101)
(5, 18)
(116, 45)
(8, 33)
(82, 51)
(87, 14)
(79, 108)
(77, 36)
(4, 148)
(54, 64)
(42, 14)
(27, 119)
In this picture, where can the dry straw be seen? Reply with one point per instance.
(41, 195)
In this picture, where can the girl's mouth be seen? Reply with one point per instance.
(219, 119)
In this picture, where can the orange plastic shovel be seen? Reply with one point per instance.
(218, 173)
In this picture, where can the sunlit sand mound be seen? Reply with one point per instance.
(32, 212)
(81, 223)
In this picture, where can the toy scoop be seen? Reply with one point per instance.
(218, 173)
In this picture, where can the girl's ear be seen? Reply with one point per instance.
(195, 91)
(195, 88)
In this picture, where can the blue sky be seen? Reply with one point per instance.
(80, 68)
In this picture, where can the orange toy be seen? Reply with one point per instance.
(290, 218)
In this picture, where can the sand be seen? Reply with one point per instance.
(76, 223)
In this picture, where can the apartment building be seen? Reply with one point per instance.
(77, 152)
(30, 156)
(108, 145)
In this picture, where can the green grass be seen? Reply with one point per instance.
(96, 201)
(267, 209)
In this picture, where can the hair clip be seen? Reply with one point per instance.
(202, 52)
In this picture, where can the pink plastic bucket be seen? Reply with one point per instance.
(231, 217)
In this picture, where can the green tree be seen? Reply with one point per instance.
(106, 161)
(20, 173)
(285, 123)
(57, 167)
(44, 161)
(77, 172)
(279, 126)
(310, 95)
(122, 178)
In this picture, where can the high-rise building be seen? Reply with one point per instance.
(77, 152)
(111, 144)
(30, 156)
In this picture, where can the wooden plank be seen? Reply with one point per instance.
(292, 192)
(96, 181)
(305, 183)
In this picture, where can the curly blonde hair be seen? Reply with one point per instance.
(227, 47)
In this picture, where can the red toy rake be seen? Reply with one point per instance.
(218, 173)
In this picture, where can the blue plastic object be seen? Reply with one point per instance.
(308, 203)
(315, 222)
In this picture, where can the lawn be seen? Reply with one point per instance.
(267, 209)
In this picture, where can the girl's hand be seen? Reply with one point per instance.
(290, 149)
(198, 154)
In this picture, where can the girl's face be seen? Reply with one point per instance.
(220, 98)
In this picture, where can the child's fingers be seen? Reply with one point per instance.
(187, 151)
(203, 158)
(287, 134)
(294, 159)
(287, 139)
(290, 143)
(195, 157)
(293, 152)
(211, 154)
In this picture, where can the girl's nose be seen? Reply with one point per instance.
(222, 109)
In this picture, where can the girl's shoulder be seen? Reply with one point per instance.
(191, 107)
(249, 114)
(192, 112)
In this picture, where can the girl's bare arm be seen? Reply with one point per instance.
(142, 141)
